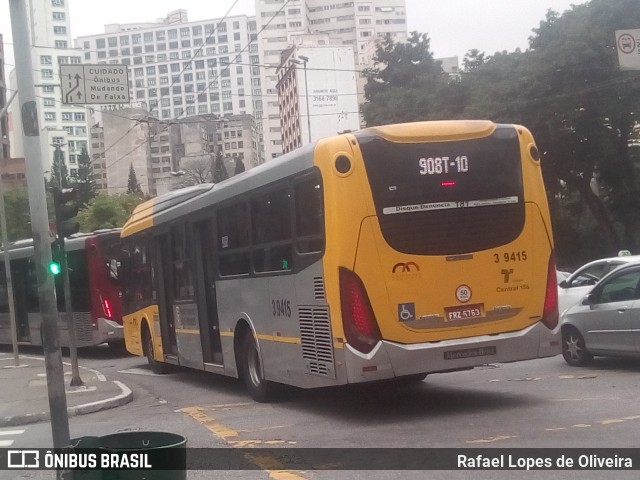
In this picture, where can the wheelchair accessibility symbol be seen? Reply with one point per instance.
(406, 312)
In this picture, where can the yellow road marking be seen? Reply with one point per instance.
(610, 421)
(190, 331)
(493, 439)
(274, 468)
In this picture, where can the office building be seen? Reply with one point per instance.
(181, 68)
(352, 23)
(316, 103)
(63, 125)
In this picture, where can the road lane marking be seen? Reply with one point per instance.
(141, 371)
(6, 443)
(493, 439)
(272, 466)
(11, 432)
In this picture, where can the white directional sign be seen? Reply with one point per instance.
(91, 84)
(628, 44)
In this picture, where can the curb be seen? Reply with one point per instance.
(125, 396)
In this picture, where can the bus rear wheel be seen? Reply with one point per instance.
(251, 370)
(148, 348)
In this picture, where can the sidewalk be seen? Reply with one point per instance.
(24, 397)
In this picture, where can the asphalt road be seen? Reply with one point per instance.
(540, 403)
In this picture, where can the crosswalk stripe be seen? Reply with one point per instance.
(6, 443)
(11, 432)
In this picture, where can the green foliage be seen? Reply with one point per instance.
(239, 166)
(133, 186)
(107, 211)
(219, 170)
(16, 206)
(59, 173)
(85, 181)
(407, 84)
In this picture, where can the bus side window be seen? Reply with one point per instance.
(271, 230)
(309, 215)
(233, 240)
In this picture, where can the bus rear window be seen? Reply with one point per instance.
(445, 198)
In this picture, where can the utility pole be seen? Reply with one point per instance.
(39, 224)
(7, 264)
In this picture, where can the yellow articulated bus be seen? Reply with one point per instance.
(395, 251)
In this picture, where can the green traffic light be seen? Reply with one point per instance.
(54, 267)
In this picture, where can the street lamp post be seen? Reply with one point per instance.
(303, 60)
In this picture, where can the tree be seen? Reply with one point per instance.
(133, 187)
(408, 84)
(85, 181)
(107, 211)
(239, 166)
(59, 174)
(197, 170)
(219, 170)
(18, 216)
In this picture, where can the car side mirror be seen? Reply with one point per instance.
(563, 284)
(589, 299)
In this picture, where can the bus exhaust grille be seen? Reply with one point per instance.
(84, 328)
(315, 336)
(318, 288)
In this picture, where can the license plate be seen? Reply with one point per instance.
(463, 312)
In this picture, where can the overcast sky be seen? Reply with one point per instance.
(454, 26)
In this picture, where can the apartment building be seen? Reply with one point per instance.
(64, 125)
(181, 68)
(316, 103)
(353, 23)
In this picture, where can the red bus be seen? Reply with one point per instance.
(95, 291)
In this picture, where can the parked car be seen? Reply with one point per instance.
(580, 282)
(607, 320)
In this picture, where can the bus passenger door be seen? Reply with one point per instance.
(165, 296)
(206, 292)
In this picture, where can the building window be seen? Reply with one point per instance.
(45, 60)
(59, 16)
(57, 3)
(79, 117)
(50, 116)
(61, 44)
(46, 73)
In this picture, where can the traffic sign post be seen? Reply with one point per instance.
(94, 84)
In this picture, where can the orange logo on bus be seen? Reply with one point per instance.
(405, 267)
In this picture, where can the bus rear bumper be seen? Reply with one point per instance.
(108, 331)
(389, 359)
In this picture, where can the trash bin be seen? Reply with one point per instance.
(172, 458)
(92, 443)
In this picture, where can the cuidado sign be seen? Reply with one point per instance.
(94, 84)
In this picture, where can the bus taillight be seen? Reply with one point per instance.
(360, 326)
(550, 311)
(106, 308)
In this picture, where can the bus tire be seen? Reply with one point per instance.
(147, 348)
(118, 347)
(251, 370)
(574, 350)
(412, 379)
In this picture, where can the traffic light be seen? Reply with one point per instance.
(54, 267)
(66, 202)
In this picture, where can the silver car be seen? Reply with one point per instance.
(606, 321)
(580, 282)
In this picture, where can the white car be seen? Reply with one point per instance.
(580, 282)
